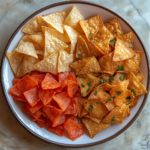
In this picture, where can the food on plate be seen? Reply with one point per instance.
(73, 73)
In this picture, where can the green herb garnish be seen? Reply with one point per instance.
(79, 55)
(88, 90)
(90, 35)
(121, 78)
(120, 68)
(114, 97)
(76, 76)
(128, 97)
(95, 43)
(133, 91)
(113, 119)
(95, 93)
(104, 94)
(89, 83)
(84, 77)
(109, 99)
(107, 91)
(96, 102)
(90, 109)
(82, 85)
(111, 78)
(112, 42)
(91, 106)
(128, 103)
(118, 92)
(80, 120)
(101, 81)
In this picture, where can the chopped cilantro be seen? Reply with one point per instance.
(90, 35)
(96, 102)
(100, 77)
(82, 93)
(121, 78)
(111, 78)
(109, 99)
(120, 58)
(90, 109)
(120, 68)
(128, 97)
(118, 92)
(80, 120)
(113, 119)
(101, 81)
(141, 83)
(95, 43)
(82, 85)
(130, 47)
(114, 97)
(95, 93)
(112, 42)
(104, 94)
(128, 103)
(79, 55)
(107, 91)
(89, 83)
(84, 77)
(88, 90)
(91, 106)
(133, 91)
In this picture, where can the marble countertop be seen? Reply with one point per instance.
(13, 136)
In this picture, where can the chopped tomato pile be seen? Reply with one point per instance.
(51, 100)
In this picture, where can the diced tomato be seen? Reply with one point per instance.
(38, 78)
(72, 88)
(15, 80)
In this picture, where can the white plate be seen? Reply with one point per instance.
(88, 10)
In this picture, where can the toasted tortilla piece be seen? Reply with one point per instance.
(114, 27)
(87, 83)
(139, 76)
(106, 64)
(26, 65)
(73, 19)
(73, 34)
(93, 127)
(122, 52)
(14, 60)
(63, 37)
(78, 65)
(135, 101)
(91, 66)
(56, 20)
(82, 49)
(137, 58)
(68, 49)
(38, 38)
(79, 110)
(48, 64)
(64, 60)
(96, 120)
(118, 78)
(25, 46)
(84, 112)
(127, 112)
(52, 44)
(34, 26)
(95, 108)
(135, 85)
(91, 26)
(116, 115)
(127, 39)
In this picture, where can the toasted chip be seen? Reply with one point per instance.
(127, 39)
(48, 64)
(91, 26)
(93, 127)
(127, 112)
(73, 34)
(63, 37)
(68, 49)
(79, 110)
(26, 65)
(14, 60)
(34, 26)
(105, 78)
(56, 20)
(96, 120)
(38, 38)
(91, 66)
(84, 112)
(95, 108)
(114, 27)
(52, 44)
(122, 52)
(137, 58)
(40, 52)
(139, 76)
(73, 18)
(87, 83)
(64, 60)
(82, 49)
(135, 101)
(42, 21)
(118, 78)
(106, 64)
(25, 46)
(135, 85)
(116, 115)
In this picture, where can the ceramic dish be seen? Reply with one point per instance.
(87, 9)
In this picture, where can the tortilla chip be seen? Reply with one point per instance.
(139, 76)
(137, 58)
(42, 21)
(127, 112)
(73, 34)
(95, 108)
(105, 78)
(39, 39)
(56, 20)
(14, 60)
(82, 49)
(127, 39)
(63, 37)
(135, 85)
(64, 60)
(40, 52)
(34, 26)
(52, 44)
(26, 47)
(118, 78)
(135, 101)
(48, 64)
(73, 18)
(84, 112)
(114, 27)
(87, 83)
(122, 52)
(91, 66)
(26, 65)
(68, 49)
(91, 26)
(116, 115)
(96, 120)
(79, 110)
(106, 65)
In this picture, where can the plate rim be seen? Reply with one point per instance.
(73, 145)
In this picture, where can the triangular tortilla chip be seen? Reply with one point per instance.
(135, 101)
(114, 27)
(84, 112)
(82, 49)
(96, 120)
(127, 112)
(26, 65)
(56, 20)
(73, 37)
(39, 39)
(34, 26)
(63, 37)
(118, 78)
(122, 52)
(64, 60)
(14, 60)
(48, 64)
(25, 46)
(127, 39)
(68, 49)
(52, 44)
(91, 26)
